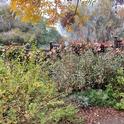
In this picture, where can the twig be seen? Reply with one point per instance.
(76, 7)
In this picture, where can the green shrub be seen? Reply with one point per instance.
(90, 79)
(74, 73)
(27, 95)
(118, 86)
(96, 97)
(112, 95)
(120, 104)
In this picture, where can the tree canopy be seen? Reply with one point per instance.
(34, 10)
(54, 10)
(68, 12)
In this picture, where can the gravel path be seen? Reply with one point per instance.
(97, 115)
(112, 120)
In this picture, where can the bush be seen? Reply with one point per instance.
(75, 73)
(120, 104)
(119, 88)
(94, 97)
(27, 95)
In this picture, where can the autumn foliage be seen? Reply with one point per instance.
(34, 10)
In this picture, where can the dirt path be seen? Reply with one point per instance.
(97, 115)
(118, 120)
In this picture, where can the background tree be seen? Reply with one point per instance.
(6, 19)
(102, 23)
(33, 11)
(13, 30)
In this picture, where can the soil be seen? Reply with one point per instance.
(97, 115)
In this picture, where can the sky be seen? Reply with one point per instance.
(4, 2)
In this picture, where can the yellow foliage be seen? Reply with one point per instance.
(13, 5)
(34, 10)
(37, 84)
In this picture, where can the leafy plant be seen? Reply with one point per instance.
(74, 73)
(119, 87)
(120, 105)
(93, 97)
(28, 95)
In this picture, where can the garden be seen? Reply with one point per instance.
(62, 62)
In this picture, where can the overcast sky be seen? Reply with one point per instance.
(4, 2)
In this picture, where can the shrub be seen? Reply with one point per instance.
(120, 104)
(112, 95)
(118, 86)
(27, 95)
(75, 73)
(94, 97)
